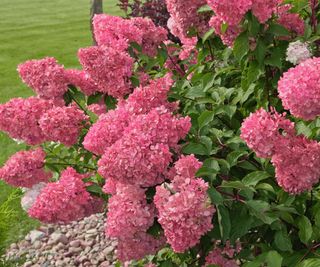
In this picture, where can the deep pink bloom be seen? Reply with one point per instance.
(45, 77)
(65, 200)
(298, 165)
(20, 118)
(216, 257)
(118, 33)
(299, 89)
(289, 20)
(106, 131)
(25, 169)
(138, 247)
(228, 37)
(263, 10)
(231, 12)
(185, 212)
(82, 80)
(109, 68)
(142, 155)
(98, 108)
(184, 17)
(63, 124)
(262, 132)
(128, 212)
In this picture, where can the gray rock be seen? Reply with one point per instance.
(36, 235)
(75, 243)
(58, 237)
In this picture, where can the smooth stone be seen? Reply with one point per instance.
(57, 237)
(36, 235)
(75, 243)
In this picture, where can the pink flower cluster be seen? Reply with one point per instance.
(20, 119)
(185, 211)
(65, 200)
(45, 77)
(222, 257)
(295, 158)
(35, 120)
(299, 89)
(109, 68)
(290, 21)
(110, 126)
(25, 169)
(262, 131)
(82, 80)
(117, 32)
(184, 16)
(63, 124)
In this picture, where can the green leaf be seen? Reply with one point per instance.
(252, 179)
(274, 259)
(205, 118)
(260, 209)
(224, 222)
(194, 148)
(204, 8)
(215, 196)
(207, 35)
(303, 129)
(224, 27)
(233, 157)
(282, 240)
(313, 262)
(278, 30)
(260, 51)
(305, 229)
(241, 45)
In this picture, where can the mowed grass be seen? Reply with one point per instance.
(32, 30)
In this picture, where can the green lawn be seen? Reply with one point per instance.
(31, 30)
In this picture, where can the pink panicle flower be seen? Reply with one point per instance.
(290, 21)
(185, 215)
(109, 68)
(184, 16)
(45, 77)
(98, 108)
(263, 10)
(145, 98)
(231, 12)
(297, 165)
(128, 213)
(187, 166)
(135, 161)
(110, 187)
(231, 33)
(138, 246)
(142, 155)
(65, 200)
(25, 169)
(63, 124)
(82, 80)
(262, 132)
(117, 32)
(106, 131)
(19, 118)
(299, 89)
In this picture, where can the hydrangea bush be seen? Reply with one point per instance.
(203, 152)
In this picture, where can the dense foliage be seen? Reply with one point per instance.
(205, 152)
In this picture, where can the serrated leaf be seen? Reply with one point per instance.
(207, 35)
(252, 179)
(282, 240)
(233, 157)
(194, 148)
(215, 196)
(241, 45)
(314, 262)
(278, 30)
(205, 118)
(274, 259)
(305, 229)
(224, 222)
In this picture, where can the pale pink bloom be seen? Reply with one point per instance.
(25, 169)
(20, 119)
(45, 76)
